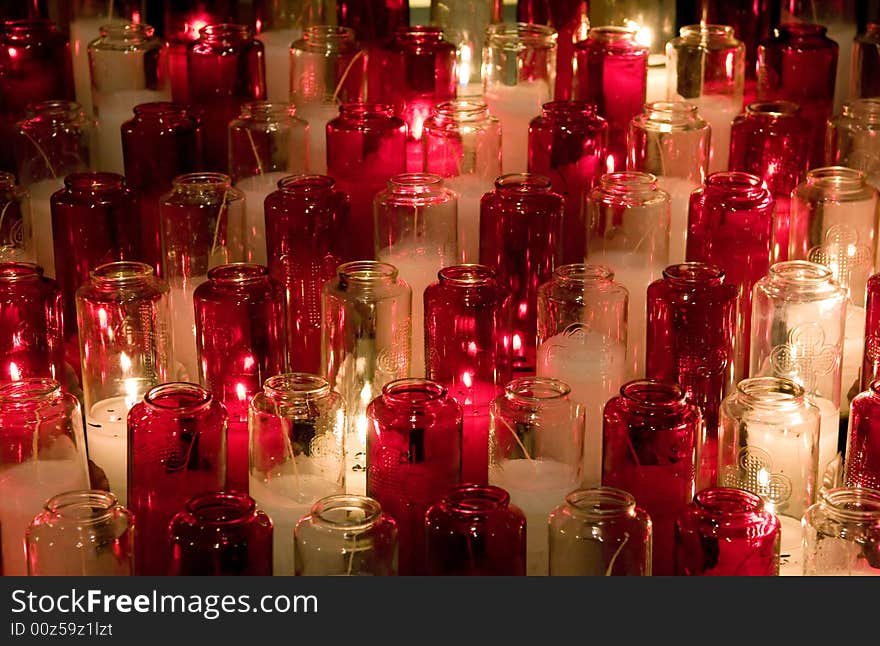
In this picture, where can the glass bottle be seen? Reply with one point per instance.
(865, 78)
(463, 145)
(475, 531)
(628, 221)
(162, 140)
(31, 342)
(240, 343)
(416, 227)
(220, 533)
(650, 435)
(201, 223)
(862, 468)
(726, 532)
(123, 320)
(582, 327)
(464, 353)
(297, 438)
(226, 68)
(43, 455)
(521, 240)
(373, 21)
(16, 233)
(128, 67)
(267, 142)
(798, 63)
(176, 450)
(730, 225)
(854, 138)
(519, 74)
(53, 141)
(841, 532)
(768, 444)
(365, 344)
(413, 458)
(568, 144)
(81, 533)
(706, 67)
(612, 73)
(464, 23)
(536, 435)
(871, 354)
(771, 140)
(346, 535)
(600, 532)
(690, 342)
(327, 68)
(670, 140)
(366, 146)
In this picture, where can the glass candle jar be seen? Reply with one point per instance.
(600, 532)
(201, 226)
(413, 458)
(123, 320)
(871, 354)
(16, 240)
(31, 341)
(162, 140)
(670, 140)
(650, 435)
(862, 468)
(475, 531)
(416, 228)
(568, 144)
(464, 352)
(240, 336)
(731, 225)
(226, 67)
(297, 435)
(854, 138)
(726, 532)
(519, 73)
(464, 23)
(770, 140)
(841, 533)
(536, 435)
(706, 67)
(521, 239)
(220, 534)
(176, 449)
(462, 144)
(43, 455)
(373, 21)
(865, 78)
(365, 344)
(691, 342)
(582, 327)
(798, 63)
(570, 19)
(628, 231)
(81, 533)
(366, 146)
(346, 535)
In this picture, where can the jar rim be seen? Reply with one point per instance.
(727, 501)
(97, 504)
(523, 183)
(581, 272)
(694, 273)
(770, 391)
(652, 393)
(347, 503)
(852, 503)
(199, 397)
(475, 500)
(203, 180)
(221, 508)
(15, 271)
(603, 501)
(775, 109)
(460, 110)
(29, 390)
(467, 275)
(122, 271)
(237, 274)
(412, 390)
(536, 389)
(801, 272)
(521, 35)
(366, 271)
(296, 385)
(127, 31)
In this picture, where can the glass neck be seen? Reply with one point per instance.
(673, 114)
(517, 185)
(865, 110)
(161, 111)
(628, 184)
(694, 274)
(613, 35)
(264, 111)
(88, 507)
(225, 34)
(348, 513)
(475, 500)
(707, 34)
(772, 109)
(129, 34)
(328, 39)
(839, 179)
(238, 276)
(202, 183)
(415, 185)
(306, 185)
(361, 112)
(178, 399)
(736, 184)
(366, 273)
(569, 111)
(467, 276)
(94, 183)
(412, 393)
(721, 502)
(29, 393)
(28, 29)
(771, 393)
(852, 505)
(115, 275)
(802, 30)
(520, 36)
(601, 503)
(418, 36)
(221, 508)
(536, 390)
(460, 111)
(648, 394)
(295, 387)
(580, 273)
(54, 111)
(800, 276)
(12, 272)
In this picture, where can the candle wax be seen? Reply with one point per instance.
(277, 47)
(470, 189)
(719, 111)
(82, 32)
(515, 106)
(680, 195)
(255, 190)
(107, 439)
(112, 110)
(853, 349)
(791, 549)
(317, 115)
(183, 327)
(656, 88)
(41, 223)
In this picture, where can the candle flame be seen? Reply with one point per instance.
(131, 393)
(467, 380)
(124, 362)
(517, 343)
(240, 391)
(464, 65)
(14, 371)
(472, 349)
(644, 35)
(249, 362)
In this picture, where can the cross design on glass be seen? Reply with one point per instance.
(843, 255)
(805, 357)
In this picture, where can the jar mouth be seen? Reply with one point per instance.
(296, 385)
(16, 271)
(652, 393)
(362, 110)
(460, 110)
(694, 273)
(521, 35)
(415, 183)
(838, 178)
(133, 31)
(802, 29)
(737, 183)
(203, 181)
(321, 34)
(770, 391)
(121, 272)
(221, 508)
(613, 34)
(346, 511)
(724, 501)
(625, 182)
(94, 182)
(602, 502)
(476, 500)
(86, 507)
(417, 34)
(569, 110)
(412, 391)
(522, 183)
(224, 31)
(266, 110)
(54, 110)
(237, 274)
(774, 109)
(29, 390)
(582, 272)
(471, 275)
(366, 271)
(179, 396)
(706, 33)
(161, 109)
(536, 389)
(852, 503)
(801, 272)
(867, 109)
(306, 183)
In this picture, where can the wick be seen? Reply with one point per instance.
(288, 447)
(220, 214)
(42, 154)
(617, 553)
(345, 75)
(2, 217)
(250, 137)
(518, 441)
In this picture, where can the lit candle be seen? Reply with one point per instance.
(41, 222)
(277, 44)
(107, 440)
(469, 189)
(515, 106)
(719, 111)
(317, 115)
(255, 190)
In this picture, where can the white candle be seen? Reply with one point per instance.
(719, 111)
(82, 32)
(317, 115)
(656, 90)
(107, 439)
(277, 47)
(853, 349)
(255, 190)
(680, 193)
(183, 327)
(25, 489)
(112, 110)
(829, 430)
(537, 487)
(791, 547)
(470, 189)
(41, 222)
(516, 106)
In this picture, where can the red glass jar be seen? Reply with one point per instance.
(521, 239)
(220, 534)
(726, 532)
(373, 21)
(366, 146)
(649, 449)
(568, 143)
(798, 63)
(612, 72)
(690, 342)
(413, 458)
(307, 239)
(731, 225)
(30, 324)
(475, 531)
(772, 141)
(865, 79)
(162, 140)
(863, 440)
(871, 356)
(464, 353)
(226, 68)
(176, 450)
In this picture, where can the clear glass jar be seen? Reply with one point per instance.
(854, 138)
(16, 240)
(600, 532)
(865, 79)
(464, 23)
(81, 533)
(842, 533)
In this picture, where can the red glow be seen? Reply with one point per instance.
(517, 343)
